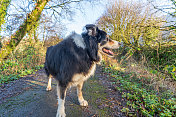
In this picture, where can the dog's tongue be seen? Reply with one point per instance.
(108, 51)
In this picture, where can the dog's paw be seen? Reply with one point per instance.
(83, 103)
(48, 89)
(61, 115)
(61, 110)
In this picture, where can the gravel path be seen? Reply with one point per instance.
(27, 97)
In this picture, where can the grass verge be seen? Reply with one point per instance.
(141, 96)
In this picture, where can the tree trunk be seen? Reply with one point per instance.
(31, 20)
(3, 10)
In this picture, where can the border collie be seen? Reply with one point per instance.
(73, 61)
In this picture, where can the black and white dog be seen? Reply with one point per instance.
(74, 60)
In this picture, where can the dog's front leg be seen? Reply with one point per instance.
(81, 100)
(61, 93)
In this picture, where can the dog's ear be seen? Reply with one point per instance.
(91, 29)
(102, 35)
(92, 48)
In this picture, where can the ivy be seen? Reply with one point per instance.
(141, 98)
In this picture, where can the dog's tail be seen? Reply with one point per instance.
(46, 59)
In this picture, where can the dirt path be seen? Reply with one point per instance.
(27, 97)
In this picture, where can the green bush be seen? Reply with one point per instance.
(21, 63)
(163, 60)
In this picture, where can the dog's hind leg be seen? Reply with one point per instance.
(81, 100)
(61, 93)
(49, 83)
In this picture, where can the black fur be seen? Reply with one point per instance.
(66, 59)
(73, 61)
(92, 47)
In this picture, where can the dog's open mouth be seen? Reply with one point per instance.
(107, 51)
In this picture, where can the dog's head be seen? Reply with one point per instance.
(98, 40)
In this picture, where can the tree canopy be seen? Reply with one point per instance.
(32, 18)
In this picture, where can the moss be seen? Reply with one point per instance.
(96, 96)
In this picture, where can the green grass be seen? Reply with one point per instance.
(141, 96)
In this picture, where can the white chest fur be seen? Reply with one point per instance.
(79, 78)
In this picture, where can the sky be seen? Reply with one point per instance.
(91, 12)
(90, 15)
(87, 15)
